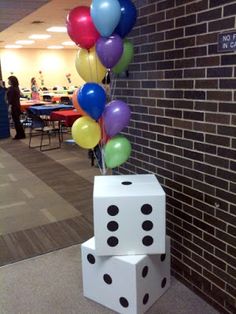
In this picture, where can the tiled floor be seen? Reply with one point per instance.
(45, 199)
(26, 201)
(52, 284)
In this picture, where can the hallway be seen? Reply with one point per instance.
(44, 199)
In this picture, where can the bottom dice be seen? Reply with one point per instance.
(125, 284)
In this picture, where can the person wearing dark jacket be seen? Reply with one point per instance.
(13, 97)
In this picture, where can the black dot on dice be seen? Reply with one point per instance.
(112, 241)
(163, 257)
(124, 302)
(91, 259)
(112, 210)
(146, 209)
(112, 226)
(145, 271)
(147, 225)
(147, 241)
(126, 183)
(163, 283)
(145, 298)
(107, 278)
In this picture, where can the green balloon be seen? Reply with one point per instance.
(125, 59)
(117, 151)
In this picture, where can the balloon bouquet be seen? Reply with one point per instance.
(99, 31)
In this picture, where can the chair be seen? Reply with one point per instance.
(65, 100)
(25, 119)
(40, 128)
(47, 98)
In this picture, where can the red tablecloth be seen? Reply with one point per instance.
(69, 116)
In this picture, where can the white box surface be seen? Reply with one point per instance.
(129, 215)
(126, 284)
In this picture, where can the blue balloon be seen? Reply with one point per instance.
(92, 99)
(105, 15)
(127, 19)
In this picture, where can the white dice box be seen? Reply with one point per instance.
(129, 215)
(126, 284)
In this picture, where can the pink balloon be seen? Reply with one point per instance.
(80, 27)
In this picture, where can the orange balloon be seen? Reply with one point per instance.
(76, 104)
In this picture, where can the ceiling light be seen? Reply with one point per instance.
(13, 46)
(39, 36)
(68, 43)
(25, 42)
(57, 29)
(55, 47)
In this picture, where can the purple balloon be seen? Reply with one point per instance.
(109, 50)
(116, 117)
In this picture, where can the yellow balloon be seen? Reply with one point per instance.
(86, 132)
(89, 66)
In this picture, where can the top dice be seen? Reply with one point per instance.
(129, 215)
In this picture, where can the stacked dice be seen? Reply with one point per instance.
(126, 266)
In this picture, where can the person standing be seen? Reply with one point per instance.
(13, 97)
(34, 89)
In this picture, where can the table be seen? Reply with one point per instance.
(68, 116)
(46, 110)
(25, 104)
(42, 93)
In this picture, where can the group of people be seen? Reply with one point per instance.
(12, 95)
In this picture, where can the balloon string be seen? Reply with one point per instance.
(113, 86)
(103, 133)
(102, 146)
(101, 166)
(104, 170)
(98, 163)
(90, 67)
(103, 138)
(108, 75)
(96, 62)
(113, 89)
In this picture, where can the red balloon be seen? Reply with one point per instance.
(80, 27)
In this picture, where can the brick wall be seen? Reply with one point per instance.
(183, 128)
